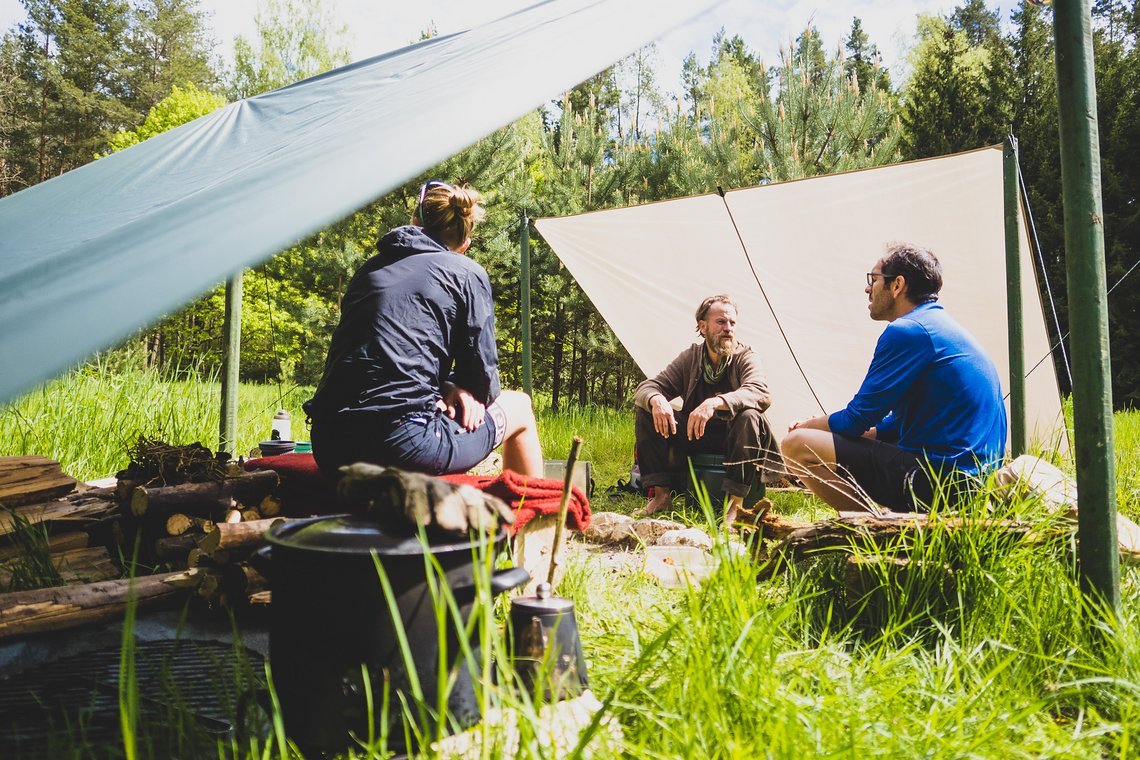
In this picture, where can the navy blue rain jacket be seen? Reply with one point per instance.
(416, 314)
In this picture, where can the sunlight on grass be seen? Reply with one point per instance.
(979, 644)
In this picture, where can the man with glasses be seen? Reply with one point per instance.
(928, 414)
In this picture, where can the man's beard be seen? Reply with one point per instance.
(722, 346)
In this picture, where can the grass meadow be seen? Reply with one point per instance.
(984, 647)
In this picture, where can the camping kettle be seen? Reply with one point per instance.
(546, 649)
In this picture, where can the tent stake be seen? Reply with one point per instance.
(1088, 302)
(1015, 314)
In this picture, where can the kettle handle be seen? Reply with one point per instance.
(261, 560)
(507, 579)
(501, 581)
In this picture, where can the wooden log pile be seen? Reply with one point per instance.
(56, 531)
(204, 530)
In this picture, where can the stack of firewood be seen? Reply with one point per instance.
(206, 530)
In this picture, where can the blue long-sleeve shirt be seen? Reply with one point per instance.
(932, 389)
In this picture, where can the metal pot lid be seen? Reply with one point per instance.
(542, 601)
(353, 534)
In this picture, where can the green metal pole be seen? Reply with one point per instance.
(524, 301)
(231, 329)
(1088, 302)
(1013, 301)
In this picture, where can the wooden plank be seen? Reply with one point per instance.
(77, 509)
(85, 565)
(56, 543)
(32, 478)
(29, 612)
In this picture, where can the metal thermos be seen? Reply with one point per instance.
(545, 646)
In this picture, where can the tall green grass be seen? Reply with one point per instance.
(87, 419)
(982, 646)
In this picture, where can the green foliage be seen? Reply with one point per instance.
(296, 39)
(821, 120)
(76, 72)
(182, 105)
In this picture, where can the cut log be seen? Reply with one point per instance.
(28, 479)
(174, 549)
(251, 514)
(28, 612)
(260, 598)
(226, 536)
(796, 540)
(233, 516)
(270, 506)
(178, 523)
(85, 565)
(203, 499)
(56, 543)
(77, 510)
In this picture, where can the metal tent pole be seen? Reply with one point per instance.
(231, 329)
(1088, 302)
(1013, 300)
(524, 301)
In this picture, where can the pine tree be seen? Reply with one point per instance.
(168, 46)
(863, 60)
(819, 121)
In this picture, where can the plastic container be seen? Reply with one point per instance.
(303, 447)
(273, 448)
(282, 429)
(679, 566)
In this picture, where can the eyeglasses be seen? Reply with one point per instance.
(872, 275)
(423, 194)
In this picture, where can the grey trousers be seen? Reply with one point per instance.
(745, 441)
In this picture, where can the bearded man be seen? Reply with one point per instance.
(709, 400)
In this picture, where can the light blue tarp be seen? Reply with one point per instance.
(89, 257)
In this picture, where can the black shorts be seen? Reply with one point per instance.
(898, 479)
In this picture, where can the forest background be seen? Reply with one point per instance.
(83, 78)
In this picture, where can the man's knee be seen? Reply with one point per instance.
(807, 446)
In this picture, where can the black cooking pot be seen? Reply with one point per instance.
(330, 615)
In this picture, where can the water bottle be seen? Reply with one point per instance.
(282, 426)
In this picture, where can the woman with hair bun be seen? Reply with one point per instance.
(412, 376)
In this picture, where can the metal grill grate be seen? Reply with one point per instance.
(188, 693)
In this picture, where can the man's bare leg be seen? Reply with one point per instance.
(661, 498)
(734, 505)
(522, 451)
(810, 456)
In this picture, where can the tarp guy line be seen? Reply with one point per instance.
(775, 316)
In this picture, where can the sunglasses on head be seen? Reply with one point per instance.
(423, 194)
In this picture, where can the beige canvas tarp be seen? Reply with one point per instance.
(797, 270)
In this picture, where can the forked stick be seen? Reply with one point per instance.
(563, 506)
